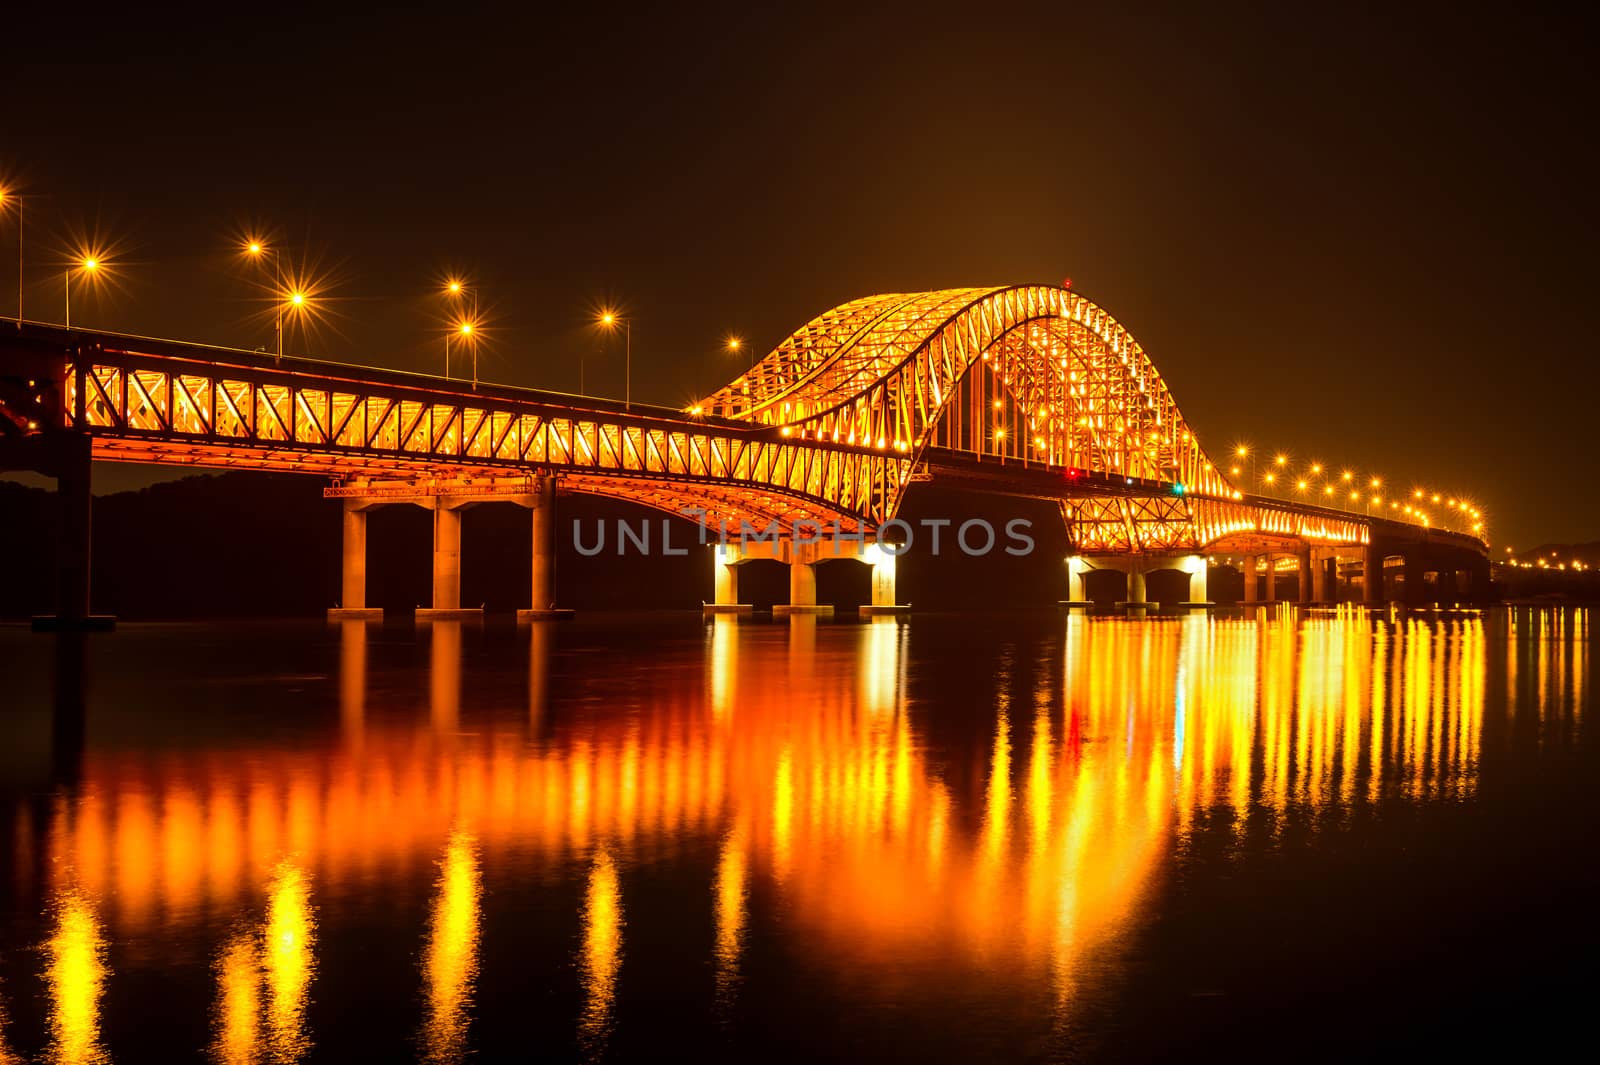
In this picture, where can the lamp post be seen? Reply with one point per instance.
(7, 196)
(256, 249)
(298, 303)
(465, 330)
(1244, 451)
(736, 344)
(608, 321)
(455, 290)
(89, 265)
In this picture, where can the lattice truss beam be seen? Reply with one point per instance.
(155, 408)
(1133, 524)
(1033, 373)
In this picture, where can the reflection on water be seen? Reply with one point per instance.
(76, 972)
(450, 963)
(238, 1016)
(602, 949)
(729, 900)
(287, 953)
(911, 811)
(264, 974)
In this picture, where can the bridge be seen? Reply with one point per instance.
(1029, 391)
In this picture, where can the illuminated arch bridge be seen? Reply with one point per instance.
(1022, 390)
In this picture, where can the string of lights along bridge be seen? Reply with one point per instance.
(1016, 390)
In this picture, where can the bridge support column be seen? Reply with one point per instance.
(1303, 573)
(447, 565)
(542, 510)
(802, 583)
(1372, 575)
(1076, 568)
(1136, 589)
(1447, 584)
(883, 584)
(1269, 593)
(1199, 578)
(1416, 590)
(1319, 578)
(74, 505)
(725, 559)
(353, 573)
(1252, 592)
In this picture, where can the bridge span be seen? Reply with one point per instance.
(1022, 390)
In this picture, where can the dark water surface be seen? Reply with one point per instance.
(1001, 838)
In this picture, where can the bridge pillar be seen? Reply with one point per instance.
(1199, 577)
(802, 583)
(1303, 573)
(883, 567)
(1415, 568)
(1136, 590)
(1251, 591)
(1319, 578)
(447, 565)
(353, 572)
(1269, 592)
(74, 504)
(542, 509)
(1447, 583)
(1076, 568)
(883, 584)
(1372, 575)
(725, 559)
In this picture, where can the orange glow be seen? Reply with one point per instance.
(75, 974)
(450, 962)
(823, 783)
(602, 947)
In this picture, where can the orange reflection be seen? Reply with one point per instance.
(450, 963)
(75, 973)
(729, 898)
(602, 949)
(7, 1055)
(286, 952)
(1094, 753)
(238, 1013)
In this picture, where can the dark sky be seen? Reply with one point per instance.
(1363, 241)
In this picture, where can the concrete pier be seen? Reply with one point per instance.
(802, 587)
(353, 576)
(1372, 575)
(447, 566)
(70, 459)
(542, 544)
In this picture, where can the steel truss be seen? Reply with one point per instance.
(139, 406)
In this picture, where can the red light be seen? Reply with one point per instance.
(1074, 473)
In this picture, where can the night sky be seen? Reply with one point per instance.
(1361, 241)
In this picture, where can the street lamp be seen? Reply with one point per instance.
(735, 344)
(90, 266)
(455, 290)
(7, 196)
(608, 321)
(256, 249)
(466, 329)
(1244, 451)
